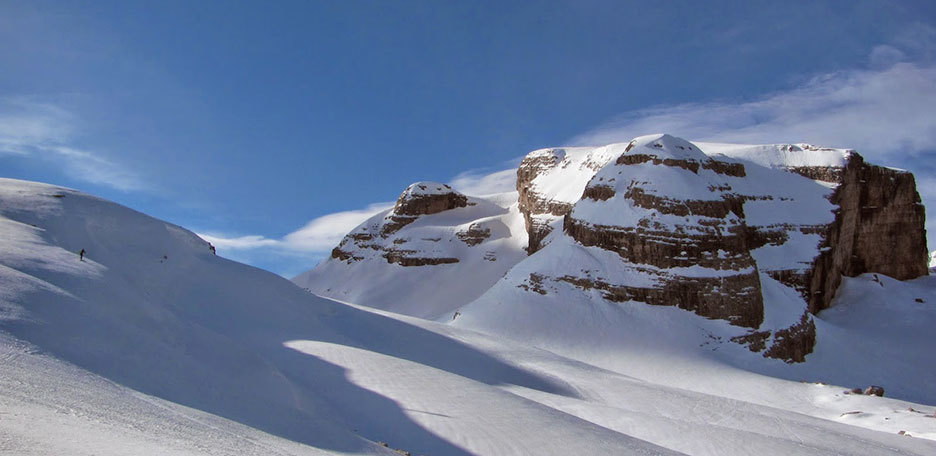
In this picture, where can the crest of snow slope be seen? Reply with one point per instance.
(234, 341)
(152, 309)
(779, 155)
(473, 246)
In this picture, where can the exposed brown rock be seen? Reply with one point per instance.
(879, 227)
(393, 224)
(636, 159)
(831, 174)
(419, 199)
(710, 247)
(403, 258)
(874, 390)
(709, 208)
(475, 234)
(340, 254)
(534, 284)
(755, 340)
(735, 298)
(728, 169)
(791, 344)
(794, 343)
(413, 202)
(598, 192)
(719, 167)
(794, 278)
(537, 231)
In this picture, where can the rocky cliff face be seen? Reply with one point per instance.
(665, 208)
(550, 181)
(878, 227)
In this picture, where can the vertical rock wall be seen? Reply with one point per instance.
(879, 227)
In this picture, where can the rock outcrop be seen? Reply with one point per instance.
(424, 198)
(419, 199)
(878, 227)
(434, 251)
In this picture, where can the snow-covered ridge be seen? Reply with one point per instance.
(426, 188)
(779, 155)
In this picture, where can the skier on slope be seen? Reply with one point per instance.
(81, 255)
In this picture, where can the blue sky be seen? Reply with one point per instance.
(273, 126)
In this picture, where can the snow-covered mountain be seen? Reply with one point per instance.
(661, 247)
(734, 232)
(150, 344)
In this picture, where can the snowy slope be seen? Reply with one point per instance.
(152, 309)
(50, 407)
(155, 345)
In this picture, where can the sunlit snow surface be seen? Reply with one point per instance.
(153, 345)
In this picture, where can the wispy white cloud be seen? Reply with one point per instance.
(324, 233)
(480, 183)
(884, 113)
(239, 242)
(47, 132)
(319, 235)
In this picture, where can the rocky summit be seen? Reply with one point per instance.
(759, 236)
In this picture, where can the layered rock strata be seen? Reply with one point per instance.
(878, 227)
(665, 208)
(695, 226)
(419, 199)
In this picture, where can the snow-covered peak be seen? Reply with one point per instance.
(661, 165)
(427, 188)
(665, 146)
